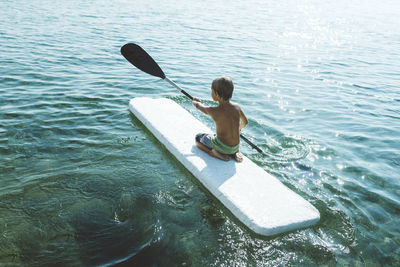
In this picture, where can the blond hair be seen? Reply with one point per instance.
(223, 87)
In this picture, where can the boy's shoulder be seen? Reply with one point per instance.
(235, 105)
(226, 108)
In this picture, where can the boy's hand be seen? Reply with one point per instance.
(196, 102)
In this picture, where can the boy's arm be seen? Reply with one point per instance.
(196, 103)
(243, 120)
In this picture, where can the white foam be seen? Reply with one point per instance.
(256, 198)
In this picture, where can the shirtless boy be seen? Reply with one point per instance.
(229, 120)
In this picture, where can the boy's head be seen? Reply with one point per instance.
(223, 87)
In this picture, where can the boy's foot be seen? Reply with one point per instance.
(216, 154)
(238, 156)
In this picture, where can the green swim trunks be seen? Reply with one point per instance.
(212, 141)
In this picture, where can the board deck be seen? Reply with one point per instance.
(256, 198)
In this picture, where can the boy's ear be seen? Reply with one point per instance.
(215, 93)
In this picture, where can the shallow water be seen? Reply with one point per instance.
(83, 183)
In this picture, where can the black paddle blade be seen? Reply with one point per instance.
(141, 60)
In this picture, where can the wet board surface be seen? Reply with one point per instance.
(256, 198)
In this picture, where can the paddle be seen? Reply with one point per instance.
(138, 57)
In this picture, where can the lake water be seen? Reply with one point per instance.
(83, 183)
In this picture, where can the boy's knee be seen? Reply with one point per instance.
(198, 137)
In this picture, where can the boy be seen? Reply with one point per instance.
(229, 120)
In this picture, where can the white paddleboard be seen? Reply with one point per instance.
(256, 198)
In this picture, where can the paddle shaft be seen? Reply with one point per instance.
(177, 87)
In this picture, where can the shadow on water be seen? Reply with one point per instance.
(107, 236)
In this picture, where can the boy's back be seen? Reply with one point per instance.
(227, 120)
